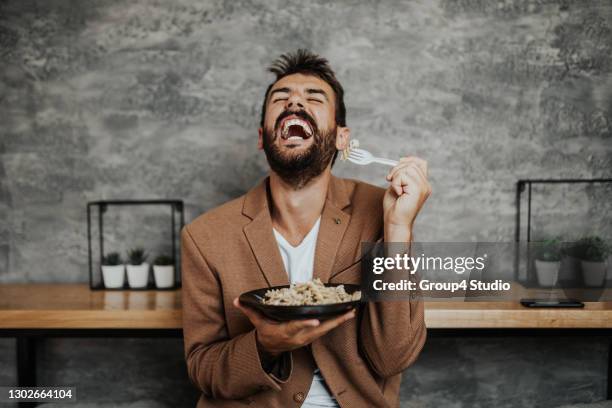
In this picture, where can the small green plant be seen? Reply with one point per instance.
(137, 256)
(548, 250)
(163, 260)
(112, 259)
(594, 249)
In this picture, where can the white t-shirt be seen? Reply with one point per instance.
(299, 264)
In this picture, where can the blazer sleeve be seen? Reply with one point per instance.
(393, 333)
(220, 366)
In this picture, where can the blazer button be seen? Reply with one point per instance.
(298, 397)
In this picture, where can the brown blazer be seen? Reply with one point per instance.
(231, 249)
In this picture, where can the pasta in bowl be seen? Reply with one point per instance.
(307, 300)
(313, 292)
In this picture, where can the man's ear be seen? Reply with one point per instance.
(260, 139)
(343, 135)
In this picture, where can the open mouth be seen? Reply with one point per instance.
(294, 128)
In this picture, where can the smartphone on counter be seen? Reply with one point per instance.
(551, 303)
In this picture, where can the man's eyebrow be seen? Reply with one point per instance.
(316, 91)
(284, 90)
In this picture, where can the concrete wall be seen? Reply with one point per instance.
(142, 99)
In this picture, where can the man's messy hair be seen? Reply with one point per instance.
(305, 62)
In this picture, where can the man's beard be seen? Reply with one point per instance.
(298, 170)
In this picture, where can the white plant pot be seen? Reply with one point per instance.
(593, 273)
(113, 276)
(138, 275)
(547, 272)
(164, 275)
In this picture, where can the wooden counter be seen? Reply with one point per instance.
(512, 315)
(75, 306)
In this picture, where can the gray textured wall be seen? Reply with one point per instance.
(137, 99)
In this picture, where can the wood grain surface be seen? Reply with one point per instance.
(70, 306)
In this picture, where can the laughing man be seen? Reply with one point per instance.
(300, 223)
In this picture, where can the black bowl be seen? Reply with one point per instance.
(254, 299)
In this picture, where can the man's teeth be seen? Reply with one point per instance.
(296, 122)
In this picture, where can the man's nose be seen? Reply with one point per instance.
(295, 102)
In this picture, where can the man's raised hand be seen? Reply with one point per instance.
(407, 192)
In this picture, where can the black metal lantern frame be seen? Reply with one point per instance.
(524, 186)
(176, 208)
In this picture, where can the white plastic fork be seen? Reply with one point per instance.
(363, 157)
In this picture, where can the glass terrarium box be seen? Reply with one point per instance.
(134, 244)
(564, 228)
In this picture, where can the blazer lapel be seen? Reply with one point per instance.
(261, 238)
(334, 222)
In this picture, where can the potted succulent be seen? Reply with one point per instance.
(113, 271)
(138, 268)
(548, 262)
(163, 271)
(593, 260)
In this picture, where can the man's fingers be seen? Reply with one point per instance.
(403, 162)
(395, 169)
(337, 321)
(406, 161)
(295, 326)
(419, 173)
(254, 316)
(328, 325)
(421, 178)
(410, 174)
(402, 168)
(395, 177)
(422, 164)
(402, 179)
(422, 172)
